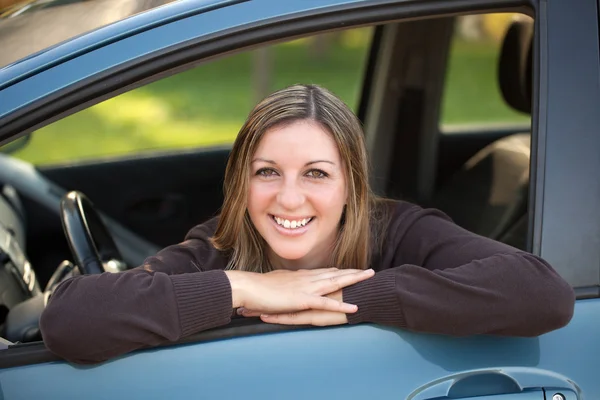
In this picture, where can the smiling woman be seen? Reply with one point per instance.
(297, 191)
(301, 239)
(275, 159)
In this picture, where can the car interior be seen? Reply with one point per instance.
(481, 182)
(488, 194)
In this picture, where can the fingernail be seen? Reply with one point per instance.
(368, 271)
(239, 311)
(265, 315)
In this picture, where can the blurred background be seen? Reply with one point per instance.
(206, 106)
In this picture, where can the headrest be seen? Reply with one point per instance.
(515, 65)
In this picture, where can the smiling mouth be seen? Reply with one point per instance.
(291, 224)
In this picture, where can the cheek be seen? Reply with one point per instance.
(258, 197)
(329, 199)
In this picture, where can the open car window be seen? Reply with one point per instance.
(205, 106)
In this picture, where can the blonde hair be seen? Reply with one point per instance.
(236, 233)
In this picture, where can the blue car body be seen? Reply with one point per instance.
(351, 361)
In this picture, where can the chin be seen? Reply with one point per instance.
(290, 254)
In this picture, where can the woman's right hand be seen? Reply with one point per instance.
(284, 291)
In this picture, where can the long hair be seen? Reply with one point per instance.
(236, 234)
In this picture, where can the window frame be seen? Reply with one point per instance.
(565, 191)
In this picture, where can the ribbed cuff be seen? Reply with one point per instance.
(203, 300)
(376, 299)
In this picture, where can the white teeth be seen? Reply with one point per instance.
(291, 224)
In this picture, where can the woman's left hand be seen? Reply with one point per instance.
(306, 317)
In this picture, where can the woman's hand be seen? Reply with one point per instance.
(308, 317)
(282, 291)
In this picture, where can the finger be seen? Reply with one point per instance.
(318, 271)
(327, 304)
(249, 313)
(311, 317)
(339, 272)
(338, 282)
(306, 272)
(278, 271)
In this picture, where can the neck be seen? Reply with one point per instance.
(315, 261)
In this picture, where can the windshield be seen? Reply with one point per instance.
(27, 27)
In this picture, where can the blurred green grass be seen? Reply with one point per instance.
(472, 94)
(207, 105)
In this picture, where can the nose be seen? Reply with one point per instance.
(290, 195)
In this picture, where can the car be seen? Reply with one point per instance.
(527, 178)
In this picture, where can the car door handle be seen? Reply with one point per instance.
(535, 395)
(514, 383)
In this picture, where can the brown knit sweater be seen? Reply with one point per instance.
(431, 276)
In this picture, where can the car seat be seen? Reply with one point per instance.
(489, 194)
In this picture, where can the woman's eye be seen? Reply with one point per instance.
(266, 172)
(316, 173)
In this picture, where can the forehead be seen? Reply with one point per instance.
(299, 138)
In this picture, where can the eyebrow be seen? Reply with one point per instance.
(307, 164)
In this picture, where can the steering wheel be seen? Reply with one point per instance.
(93, 248)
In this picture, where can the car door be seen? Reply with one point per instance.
(254, 360)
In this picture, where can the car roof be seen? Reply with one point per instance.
(32, 29)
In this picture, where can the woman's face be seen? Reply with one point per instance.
(297, 193)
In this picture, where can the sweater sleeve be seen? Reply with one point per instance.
(436, 277)
(181, 290)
